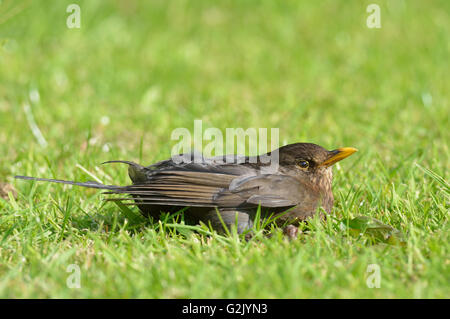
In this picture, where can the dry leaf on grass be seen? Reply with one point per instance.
(6, 188)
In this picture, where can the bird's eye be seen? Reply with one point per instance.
(303, 164)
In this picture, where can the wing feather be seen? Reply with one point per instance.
(201, 185)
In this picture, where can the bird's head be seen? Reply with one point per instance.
(311, 159)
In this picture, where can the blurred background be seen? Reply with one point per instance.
(117, 86)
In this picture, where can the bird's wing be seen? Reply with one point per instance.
(206, 189)
(172, 188)
(177, 188)
(268, 190)
(204, 184)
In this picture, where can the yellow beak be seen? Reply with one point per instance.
(338, 154)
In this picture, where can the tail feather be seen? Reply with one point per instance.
(90, 184)
(149, 197)
(136, 172)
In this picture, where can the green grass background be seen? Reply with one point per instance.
(136, 70)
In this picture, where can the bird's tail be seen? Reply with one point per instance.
(89, 184)
(135, 171)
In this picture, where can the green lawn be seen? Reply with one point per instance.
(133, 72)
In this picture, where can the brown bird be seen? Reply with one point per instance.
(292, 191)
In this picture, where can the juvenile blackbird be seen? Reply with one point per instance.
(294, 191)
